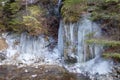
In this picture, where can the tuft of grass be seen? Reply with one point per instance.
(72, 9)
(112, 55)
(103, 42)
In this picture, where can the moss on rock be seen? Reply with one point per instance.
(104, 42)
(72, 9)
(114, 56)
(35, 18)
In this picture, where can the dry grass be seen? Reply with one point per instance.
(3, 44)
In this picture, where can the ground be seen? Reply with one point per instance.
(45, 72)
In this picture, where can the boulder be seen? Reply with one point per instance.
(2, 56)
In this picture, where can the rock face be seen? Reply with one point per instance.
(2, 56)
(48, 16)
(37, 17)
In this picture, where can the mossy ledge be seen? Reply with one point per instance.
(115, 56)
(104, 42)
(72, 10)
(111, 48)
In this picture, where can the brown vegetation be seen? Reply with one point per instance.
(3, 44)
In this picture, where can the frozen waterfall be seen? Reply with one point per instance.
(26, 49)
(72, 51)
(78, 56)
(72, 40)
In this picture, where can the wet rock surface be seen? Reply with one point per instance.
(114, 75)
(2, 56)
(102, 77)
(11, 72)
(116, 72)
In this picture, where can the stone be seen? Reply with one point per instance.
(2, 56)
(71, 59)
